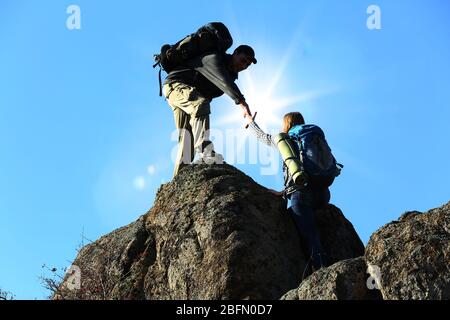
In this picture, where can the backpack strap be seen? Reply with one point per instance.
(158, 63)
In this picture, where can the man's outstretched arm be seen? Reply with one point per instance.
(213, 68)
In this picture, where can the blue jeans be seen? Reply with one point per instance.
(303, 204)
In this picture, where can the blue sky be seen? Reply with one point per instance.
(85, 140)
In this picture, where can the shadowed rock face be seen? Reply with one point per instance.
(337, 235)
(407, 259)
(213, 233)
(344, 280)
(219, 235)
(413, 255)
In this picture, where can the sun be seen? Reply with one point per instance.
(270, 91)
(262, 94)
(265, 92)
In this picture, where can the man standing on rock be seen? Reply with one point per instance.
(189, 91)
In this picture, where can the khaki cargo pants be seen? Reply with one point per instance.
(191, 114)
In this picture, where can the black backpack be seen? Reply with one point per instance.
(212, 37)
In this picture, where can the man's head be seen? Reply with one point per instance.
(242, 57)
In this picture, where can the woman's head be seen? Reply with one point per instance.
(292, 119)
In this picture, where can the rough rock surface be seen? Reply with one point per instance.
(413, 255)
(213, 233)
(337, 235)
(344, 280)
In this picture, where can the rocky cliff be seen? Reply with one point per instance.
(405, 259)
(213, 233)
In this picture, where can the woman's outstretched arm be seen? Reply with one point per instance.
(260, 134)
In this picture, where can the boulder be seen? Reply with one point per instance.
(412, 255)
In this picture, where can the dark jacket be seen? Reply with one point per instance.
(210, 75)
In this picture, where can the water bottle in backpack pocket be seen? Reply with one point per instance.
(289, 153)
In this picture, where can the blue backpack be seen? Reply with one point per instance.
(315, 155)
